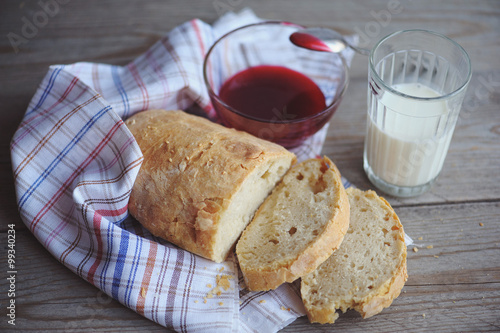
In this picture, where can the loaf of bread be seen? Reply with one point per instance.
(200, 183)
(297, 227)
(368, 270)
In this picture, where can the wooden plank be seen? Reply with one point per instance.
(460, 288)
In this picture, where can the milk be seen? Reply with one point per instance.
(407, 139)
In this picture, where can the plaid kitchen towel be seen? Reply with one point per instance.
(74, 164)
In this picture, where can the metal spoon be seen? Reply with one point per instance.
(323, 39)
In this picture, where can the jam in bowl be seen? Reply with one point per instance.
(261, 83)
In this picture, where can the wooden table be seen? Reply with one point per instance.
(454, 278)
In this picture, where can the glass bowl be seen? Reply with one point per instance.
(267, 44)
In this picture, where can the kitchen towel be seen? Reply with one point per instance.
(74, 164)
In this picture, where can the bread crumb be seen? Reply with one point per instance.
(143, 292)
(262, 301)
(423, 315)
(481, 224)
(436, 256)
(221, 269)
(415, 249)
(170, 159)
(420, 238)
(223, 281)
(217, 291)
(284, 309)
(205, 300)
(430, 246)
(221, 303)
(196, 301)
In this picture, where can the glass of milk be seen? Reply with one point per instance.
(416, 84)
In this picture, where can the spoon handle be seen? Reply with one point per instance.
(360, 50)
(320, 39)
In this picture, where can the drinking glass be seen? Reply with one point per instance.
(416, 84)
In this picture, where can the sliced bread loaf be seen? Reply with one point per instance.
(368, 270)
(200, 183)
(296, 228)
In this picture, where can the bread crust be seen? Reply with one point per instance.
(192, 168)
(263, 278)
(374, 302)
(367, 307)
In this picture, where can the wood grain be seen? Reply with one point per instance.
(454, 285)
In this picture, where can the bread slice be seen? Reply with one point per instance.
(368, 270)
(297, 227)
(201, 183)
